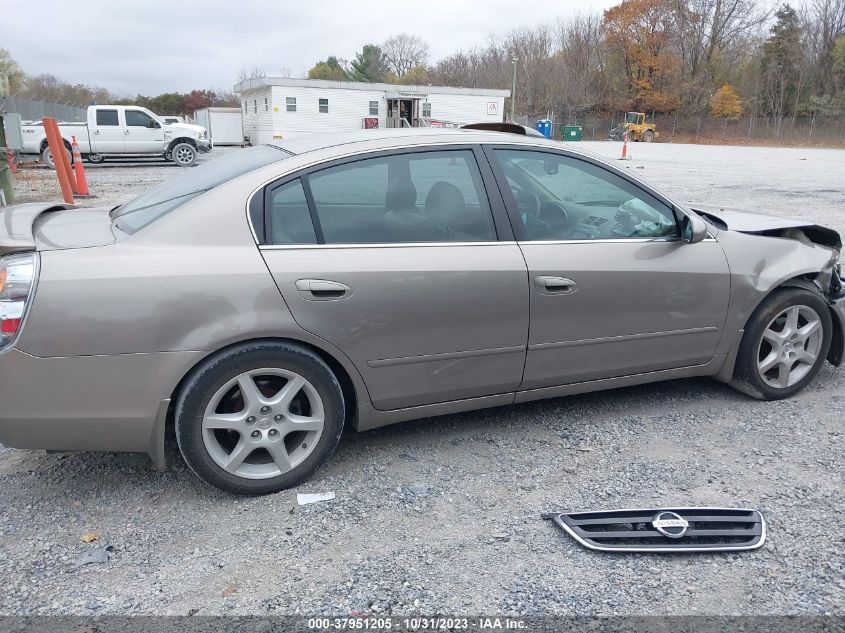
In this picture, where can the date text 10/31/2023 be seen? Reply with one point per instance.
(418, 623)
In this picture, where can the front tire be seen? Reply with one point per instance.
(184, 154)
(259, 418)
(648, 136)
(785, 344)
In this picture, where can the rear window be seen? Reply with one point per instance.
(161, 200)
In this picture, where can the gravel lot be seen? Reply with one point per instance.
(443, 515)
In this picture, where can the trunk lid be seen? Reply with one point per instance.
(46, 226)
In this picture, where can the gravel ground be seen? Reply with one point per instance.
(443, 515)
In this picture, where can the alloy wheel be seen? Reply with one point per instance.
(263, 423)
(790, 346)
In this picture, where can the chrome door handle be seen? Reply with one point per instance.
(554, 285)
(96, 131)
(322, 290)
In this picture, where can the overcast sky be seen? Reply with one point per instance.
(154, 46)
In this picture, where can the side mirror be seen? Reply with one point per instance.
(693, 229)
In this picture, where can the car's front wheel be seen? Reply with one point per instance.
(259, 418)
(785, 343)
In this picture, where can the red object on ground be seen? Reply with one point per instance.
(57, 148)
(10, 159)
(79, 170)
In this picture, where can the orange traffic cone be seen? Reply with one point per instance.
(79, 170)
(624, 147)
(10, 160)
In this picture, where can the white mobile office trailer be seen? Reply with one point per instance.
(224, 125)
(283, 108)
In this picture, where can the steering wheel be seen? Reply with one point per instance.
(554, 214)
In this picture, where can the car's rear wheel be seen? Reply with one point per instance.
(96, 159)
(259, 418)
(785, 343)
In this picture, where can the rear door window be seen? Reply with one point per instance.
(107, 117)
(434, 196)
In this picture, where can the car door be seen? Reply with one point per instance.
(402, 261)
(614, 290)
(107, 134)
(143, 133)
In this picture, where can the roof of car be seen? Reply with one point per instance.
(396, 136)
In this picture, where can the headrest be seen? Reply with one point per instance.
(401, 195)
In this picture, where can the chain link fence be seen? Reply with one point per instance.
(35, 110)
(806, 130)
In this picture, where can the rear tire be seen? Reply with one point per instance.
(786, 341)
(47, 157)
(261, 441)
(648, 136)
(96, 159)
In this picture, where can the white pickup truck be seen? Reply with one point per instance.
(123, 131)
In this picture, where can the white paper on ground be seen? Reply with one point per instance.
(304, 500)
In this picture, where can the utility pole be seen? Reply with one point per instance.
(5, 169)
(513, 89)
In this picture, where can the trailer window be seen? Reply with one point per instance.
(107, 117)
(290, 104)
(324, 106)
(161, 200)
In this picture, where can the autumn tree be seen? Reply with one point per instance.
(639, 32)
(331, 69)
(726, 103)
(199, 99)
(416, 76)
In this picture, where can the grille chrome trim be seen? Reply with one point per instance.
(749, 532)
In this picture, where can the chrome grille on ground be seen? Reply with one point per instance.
(665, 529)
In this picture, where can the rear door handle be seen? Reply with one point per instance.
(554, 285)
(322, 290)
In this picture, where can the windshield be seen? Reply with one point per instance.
(159, 201)
(632, 117)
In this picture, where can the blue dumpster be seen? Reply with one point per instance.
(544, 127)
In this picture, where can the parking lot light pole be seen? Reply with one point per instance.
(513, 88)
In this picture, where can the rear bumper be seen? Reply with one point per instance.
(88, 403)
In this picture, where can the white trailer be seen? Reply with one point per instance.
(224, 125)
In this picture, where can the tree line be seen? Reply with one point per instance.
(721, 58)
(49, 88)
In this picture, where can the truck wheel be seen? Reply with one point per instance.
(96, 158)
(184, 154)
(47, 157)
(648, 136)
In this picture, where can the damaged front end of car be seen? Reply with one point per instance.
(766, 252)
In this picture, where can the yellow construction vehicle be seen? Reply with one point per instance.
(637, 127)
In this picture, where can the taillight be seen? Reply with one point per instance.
(17, 279)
